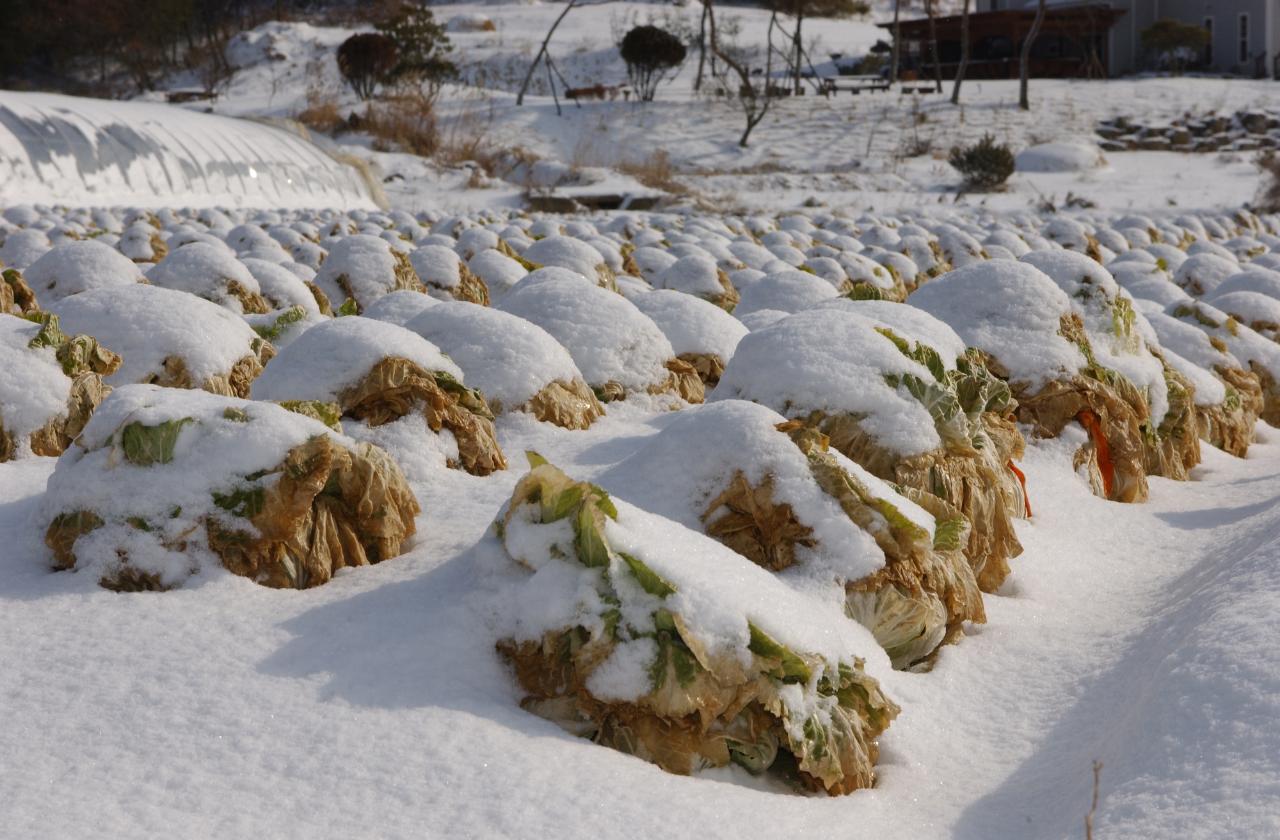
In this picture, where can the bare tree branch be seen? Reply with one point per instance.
(542, 51)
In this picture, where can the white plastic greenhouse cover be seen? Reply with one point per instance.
(69, 150)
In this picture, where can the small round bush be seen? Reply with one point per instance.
(366, 61)
(985, 165)
(649, 53)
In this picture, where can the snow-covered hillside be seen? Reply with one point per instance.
(881, 150)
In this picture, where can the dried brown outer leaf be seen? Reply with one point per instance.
(726, 298)
(1176, 447)
(396, 386)
(1229, 425)
(159, 249)
(610, 391)
(86, 393)
(748, 520)
(979, 485)
(606, 278)
(322, 300)
(727, 706)
(1058, 403)
(683, 381)
(8, 446)
(405, 276)
(1270, 394)
(83, 354)
(234, 383)
(471, 288)
(570, 405)
(331, 508)
(63, 532)
(16, 297)
(251, 302)
(708, 366)
(914, 567)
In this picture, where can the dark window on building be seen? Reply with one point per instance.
(1208, 47)
(1244, 37)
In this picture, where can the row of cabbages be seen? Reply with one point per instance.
(869, 383)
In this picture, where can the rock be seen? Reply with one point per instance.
(1254, 122)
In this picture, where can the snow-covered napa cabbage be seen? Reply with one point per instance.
(211, 273)
(334, 356)
(49, 384)
(1011, 311)
(629, 627)
(168, 337)
(508, 358)
(363, 268)
(165, 483)
(74, 267)
(700, 332)
(773, 492)
(825, 360)
(612, 342)
(377, 374)
(1118, 336)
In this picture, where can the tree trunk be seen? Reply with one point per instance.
(1025, 64)
(933, 44)
(542, 51)
(702, 48)
(796, 53)
(754, 105)
(964, 54)
(897, 43)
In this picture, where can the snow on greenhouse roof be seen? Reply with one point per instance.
(80, 151)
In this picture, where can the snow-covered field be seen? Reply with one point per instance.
(1137, 635)
(451, 519)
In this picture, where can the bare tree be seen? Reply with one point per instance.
(542, 51)
(897, 42)
(755, 103)
(964, 54)
(702, 46)
(929, 9)
(1025, 64)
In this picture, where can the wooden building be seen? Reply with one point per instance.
(1073, 42)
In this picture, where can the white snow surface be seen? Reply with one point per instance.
(399, 307)
(1010, 310)
(33, 388)
(826, 360)
(693, 459)
(73, 267)
(332, 356)
(906, 321)
(691, 324)
(607, 336)
(508, 358)
(205, 271)
(1065, 156)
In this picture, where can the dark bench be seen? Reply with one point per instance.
(855, 86)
